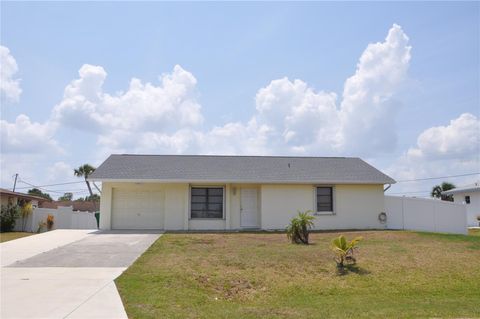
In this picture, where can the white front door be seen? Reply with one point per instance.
(249, 207)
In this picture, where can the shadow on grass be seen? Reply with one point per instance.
(347, 269)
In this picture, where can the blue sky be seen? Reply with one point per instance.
(233, 50)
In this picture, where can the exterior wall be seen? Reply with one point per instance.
(355, 206)
(425, 215)
(473, 209)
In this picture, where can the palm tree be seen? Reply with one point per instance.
(84, 171)
(438, 189)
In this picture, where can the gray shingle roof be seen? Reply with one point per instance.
(245, 169)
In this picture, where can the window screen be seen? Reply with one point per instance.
(206, 202)
(324, 199)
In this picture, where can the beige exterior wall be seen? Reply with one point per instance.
(356, 206)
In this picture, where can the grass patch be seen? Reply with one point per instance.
(248, 275)
(474, 232)
(13, 235)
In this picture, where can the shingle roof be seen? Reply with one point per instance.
(245, 169)
(6, 192)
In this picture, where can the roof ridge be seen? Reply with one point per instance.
(259, 156)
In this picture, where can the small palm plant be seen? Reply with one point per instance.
(344, 250)
(299, 228)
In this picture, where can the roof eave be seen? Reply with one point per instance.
(224, 181)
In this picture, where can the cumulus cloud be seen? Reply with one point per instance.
(143, 107)
(25, 136)
(307, 121)
(290, 116)
(9, 85)
(441, 150)
(60, 171)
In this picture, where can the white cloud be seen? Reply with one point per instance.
(441, 151)
(290, 117)
(9, 85)
(143, 107)
(309, 121)
(60, 171)
(25, 136)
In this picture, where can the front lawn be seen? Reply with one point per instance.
(261, 275)
(13, 235)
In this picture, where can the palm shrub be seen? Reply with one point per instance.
(299, 227)
(344, 249)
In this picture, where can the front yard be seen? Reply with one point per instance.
(13, 235)
(261, 275)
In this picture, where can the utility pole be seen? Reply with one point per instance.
(15, 183)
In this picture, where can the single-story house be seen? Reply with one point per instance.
(13, 198)
(183, 192)
(470, 196)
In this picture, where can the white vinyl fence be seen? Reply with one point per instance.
(422, 214)
(64, 218)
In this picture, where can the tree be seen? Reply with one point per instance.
(438, 189)
(84, 171)
(92, 198)
(37, 192)
(66, 197)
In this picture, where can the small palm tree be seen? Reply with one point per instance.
(299, 228)
(84, 171)
(438, 189)
(344, 250)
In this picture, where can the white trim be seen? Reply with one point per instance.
(225, 181)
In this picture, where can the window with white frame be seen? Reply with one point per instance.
(324, 199)
(206, 202)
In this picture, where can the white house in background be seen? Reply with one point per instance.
(175, 192)
(469, 195)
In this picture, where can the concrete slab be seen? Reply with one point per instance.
(26, 247)
(57, 292)
(99, 249)
(46, 288)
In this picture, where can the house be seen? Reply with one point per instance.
(183, 192)
(469, 195)
(13, 198)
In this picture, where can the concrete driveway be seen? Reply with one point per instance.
(68, 273)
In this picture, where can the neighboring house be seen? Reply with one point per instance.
(469, 195)
(9, 197)
(175, 192)
(77, 206)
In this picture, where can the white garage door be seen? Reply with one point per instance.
(137, 209)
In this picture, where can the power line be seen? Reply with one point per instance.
(50, 190)
(430, 178)
(58, 184)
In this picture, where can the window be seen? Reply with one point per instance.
(467, 199)
(324, 199)
(206, 202)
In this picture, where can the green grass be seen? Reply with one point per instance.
(13, 235)
(261, 275)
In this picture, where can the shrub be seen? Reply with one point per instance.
(50, 222)
(26, 211)
(344, 250)
(299, 228)
(8, 216)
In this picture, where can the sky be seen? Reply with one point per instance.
(397, 84)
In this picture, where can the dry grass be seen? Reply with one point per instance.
(260, 275)
(13, 235)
